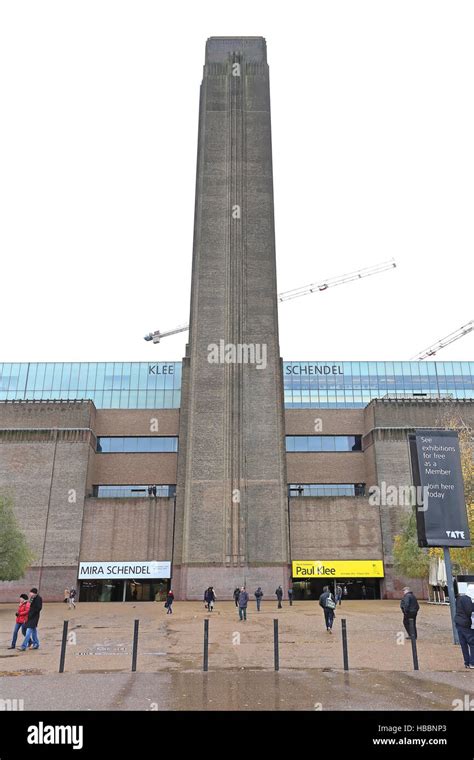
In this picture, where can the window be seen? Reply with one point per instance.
(132, 491)
(326, 489)
(327, 443)
(137, 444)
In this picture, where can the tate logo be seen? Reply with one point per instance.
(455, 533)
(42, 734)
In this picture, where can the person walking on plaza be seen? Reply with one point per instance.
(211, 598)
(169, 602)
(409, 606)
(328, 603)
(279, 596)
(36, 605)
(463, 620)
(258, 597)
(364, 592)
(290, 596)
(338, 595)
(243, 601)
(21, 618)
(236, 596)
(66, 595)
(72, 599)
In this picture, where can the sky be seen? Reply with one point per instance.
(373, 159)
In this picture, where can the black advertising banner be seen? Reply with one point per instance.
(441, 514)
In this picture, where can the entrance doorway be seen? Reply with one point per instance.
(114, 590)
(357, 588)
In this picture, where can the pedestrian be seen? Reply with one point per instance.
(21, 618)
(236, 596)
(279, 596)
(463, 620)
(338, 595)
(290, 596)
(409, 606)
(169, 602)
(345, 591)
(243, 601)
(36, 605)
(66, 595)
(364, 592)
(328, 603)
(258, 597)
(72, 598)
(209, 598)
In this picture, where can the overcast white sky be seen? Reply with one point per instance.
(373, 124)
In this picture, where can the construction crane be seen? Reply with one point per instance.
(432, 350)
(288, 295)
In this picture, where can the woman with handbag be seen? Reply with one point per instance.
(328, 603)
(21, 618)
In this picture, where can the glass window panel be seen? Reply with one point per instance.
(74, 379)
(30, 384)
(100, 376)
(116, 445)
(48, 377)
(150, 400)
(83, 374)
(66, 376)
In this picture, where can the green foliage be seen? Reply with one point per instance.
(15, 555)
(409, 559)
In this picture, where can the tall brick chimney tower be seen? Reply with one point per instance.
(231, 514)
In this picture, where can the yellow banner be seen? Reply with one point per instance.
(354, 568)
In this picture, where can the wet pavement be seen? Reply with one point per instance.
(240, 690)
(241, 677)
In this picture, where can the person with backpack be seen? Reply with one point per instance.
(258, 597)
(328, 603)
(21, 618)
(169, 602)
(409, 606)
(36, 605)
(279, 596)
(463, 620)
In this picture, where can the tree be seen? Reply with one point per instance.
(15, 555)
(409, 558)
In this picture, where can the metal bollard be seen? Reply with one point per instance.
(63, 647)
(411, 625)
(345, 652)
(205, 665)
(276, 652)
(135, 646)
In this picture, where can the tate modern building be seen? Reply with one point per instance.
(235, 465)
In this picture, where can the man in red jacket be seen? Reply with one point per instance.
(21, 618)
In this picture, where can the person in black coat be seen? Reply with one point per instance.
(328, 603)
(409, 606)
(463, 622)
(36, 605)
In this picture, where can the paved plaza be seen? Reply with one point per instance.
(241, 659)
